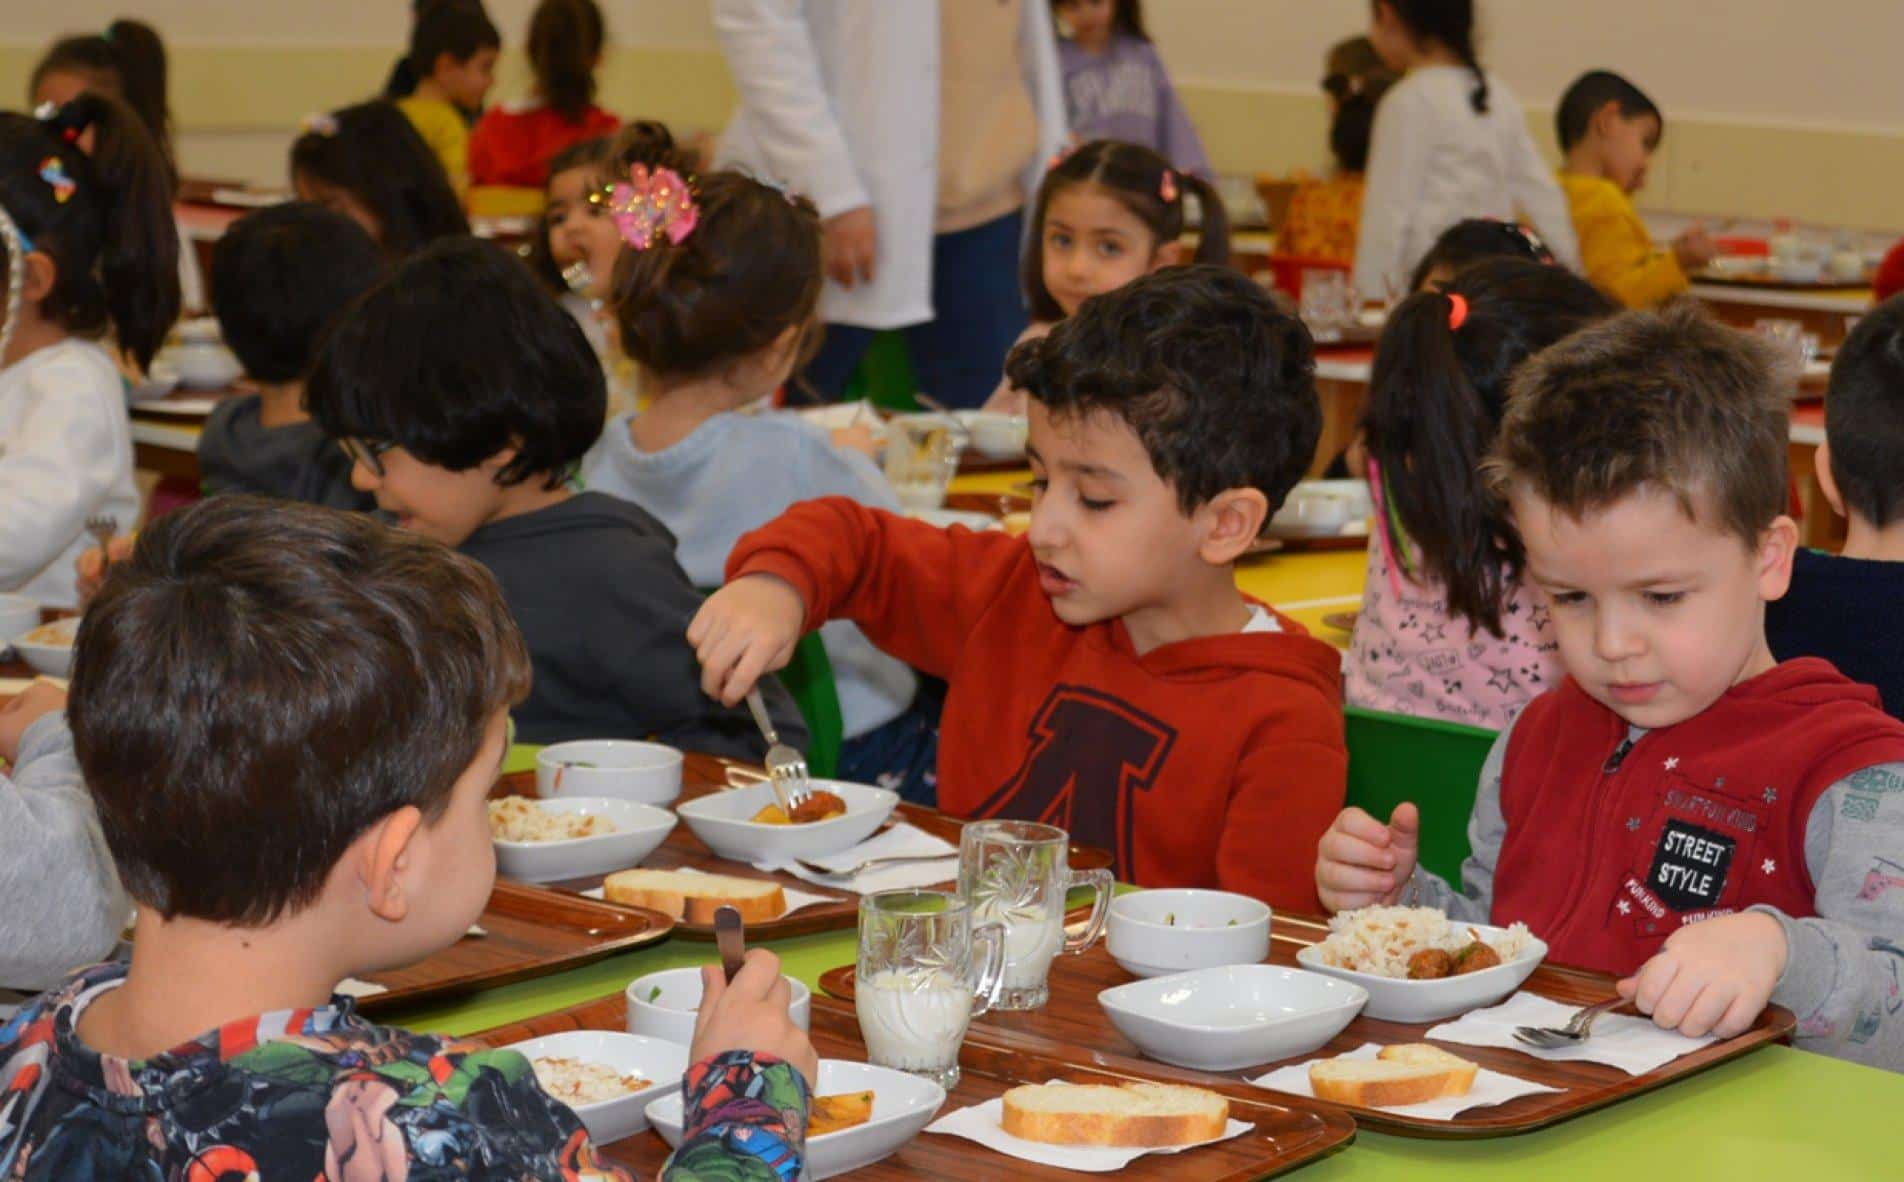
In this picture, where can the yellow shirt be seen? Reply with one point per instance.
(442, 128)
(1615, 245)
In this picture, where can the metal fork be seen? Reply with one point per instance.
(103, 527)
(786, 768)
(1573, 1033)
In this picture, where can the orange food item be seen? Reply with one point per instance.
(818, 807)
(844, 1111)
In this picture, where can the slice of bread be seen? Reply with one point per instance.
(694, 898)
(1411, 1073)
(1152, 1116)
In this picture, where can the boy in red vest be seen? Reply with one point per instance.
(1718, 829)
(1105, 674)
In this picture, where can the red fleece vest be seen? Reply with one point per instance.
(1610, 849)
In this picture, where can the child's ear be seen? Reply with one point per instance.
(1235, 520)
(42, 273)
(1776, 547)
(1827, 483)
(1605, 121)
(383, 854)
(1167, 255)
(502, 459)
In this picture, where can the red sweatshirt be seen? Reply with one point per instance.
(1213, 762)
(512, 145)
(1612, 847)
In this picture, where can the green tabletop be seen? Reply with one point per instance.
(1775, 1114)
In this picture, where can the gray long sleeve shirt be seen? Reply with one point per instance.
(1844, 966)
(61, 905)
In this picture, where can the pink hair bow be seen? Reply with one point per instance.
(652, 204)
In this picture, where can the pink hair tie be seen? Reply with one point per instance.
(649, 206)
(1457, 311)
(1167, 188)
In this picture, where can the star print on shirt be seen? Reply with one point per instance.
(1632, 824)
(1434, 631)
(1538, 617)
(1672, 762)
(1771, 796)
(1767, 866)
(1623, 907)
(1503, 679)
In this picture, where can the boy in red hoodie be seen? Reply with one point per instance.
(1105, 674)
(1719, 829)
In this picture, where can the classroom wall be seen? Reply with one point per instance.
(1774, 107)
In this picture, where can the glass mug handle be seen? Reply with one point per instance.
(1102, 885)
(991, 976)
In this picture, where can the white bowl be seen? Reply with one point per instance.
(639, 828)
(619, 769)
(1235, 1016)
(52, 652)
(1322, 507)
(652, 1058)
(200, 330)
(663, 1004)
(18, 614)
(205, 366)
(721, 820)
(1155, 933)
(902, 1105)
(994, 435)
(1399, 1000)
(161, 378)
(947, 518)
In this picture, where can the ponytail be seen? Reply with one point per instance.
(105, 220)
(141, 57)
(1450, 22)
(565, 41)
(1213, 241)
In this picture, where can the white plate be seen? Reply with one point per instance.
(639, 828)
(1395, 999)
(947, 518)
(722, 821)
(1158, 932)
(54, 659)
(663, 1004)
(619, 769)
(185, 408)
(1236, 1016)
(902, 1105)
(651, 1058)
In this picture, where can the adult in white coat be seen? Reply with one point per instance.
(920, 130)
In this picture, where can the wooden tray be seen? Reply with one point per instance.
(532, 932)
(1286, 1134)
(1764, 281)
(1074, 1027)
(704, 774)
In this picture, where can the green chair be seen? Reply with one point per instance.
(1437, 765)
(885, 376)
(809, 678)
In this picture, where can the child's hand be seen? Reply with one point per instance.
(93, 563)
(745, 630)
(859, 437)
(34, 703)
(1713, 977)
(1695, 248)
(849, 246)
(751, 1013)
(1361, 862)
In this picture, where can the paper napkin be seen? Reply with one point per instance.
(1630, 1043)
(1490, 1087)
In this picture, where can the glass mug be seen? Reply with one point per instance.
(1017, 873)
(921, 978)
(1326, 304)
(922, 456)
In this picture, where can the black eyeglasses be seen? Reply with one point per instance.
(366, 452)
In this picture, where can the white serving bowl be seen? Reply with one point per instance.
(1156, 933)
(639, 828)
(18, 615)
(721, 820)
(663, 1004)
(51, 651)
(902, 1105)
(995, 435)
(1234, 1016)
(651, 1058)
(947, 518)
(207, 366)
(619, 769)
(1322, 507)
(1399, 1000)
(200, 330)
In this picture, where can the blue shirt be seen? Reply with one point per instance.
(1844, 610)
(735, 473)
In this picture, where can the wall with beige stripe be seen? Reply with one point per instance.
(1774, 108)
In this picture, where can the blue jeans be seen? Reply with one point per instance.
(959, 355)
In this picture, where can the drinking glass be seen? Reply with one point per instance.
(925, 971)
(1017, 873)
(1326, 306)
(922, 456)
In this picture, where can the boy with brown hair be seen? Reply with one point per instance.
(1106, 675)
(289, 719)
(1682, 811)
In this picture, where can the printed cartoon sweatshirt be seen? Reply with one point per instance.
(1215, 762)
(1785, 796)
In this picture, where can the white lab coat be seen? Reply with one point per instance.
(840, 100)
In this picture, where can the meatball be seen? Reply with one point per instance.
(1430, 964)
(1474, 958)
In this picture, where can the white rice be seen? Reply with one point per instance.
(1379, 940)
(516, 818)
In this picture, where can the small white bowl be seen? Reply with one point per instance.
(51, 651)
(1236, 1016)
(994, 435)
(663, 1004)
(722, 821)
(1321, 507)
(1156, 933)
(639, 828)
(651, 1058)
(902, 1105)
(18, 615)
(205, 366)
(947, 518)
(619, 769)
(201, 330)
(1395, 999)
